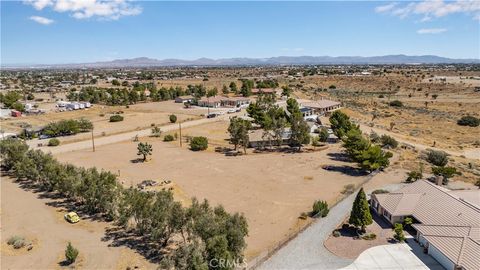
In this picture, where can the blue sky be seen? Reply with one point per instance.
(69, 31)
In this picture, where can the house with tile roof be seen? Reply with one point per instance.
(447, 223)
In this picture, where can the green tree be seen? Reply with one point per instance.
(360, 216)
(374, 158)
(286, 91)
(71, 254)
(233, 87)
(246, 89)
(238, 130)
(320, 208)
(445, 172)
(341, 124)
(399, 235)
(323, 134)
(144, 149)
(225, 89)
(198, 143)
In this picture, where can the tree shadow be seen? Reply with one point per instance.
(58, 200)
(339, 157)
(347, 170)
(144, 246)
(137, 160)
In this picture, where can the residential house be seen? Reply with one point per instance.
(212, 102)
(235, 102)
(447, 223)
(184, 99)
(259, 139)
(321, 107)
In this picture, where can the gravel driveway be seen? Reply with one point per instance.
(306, 251)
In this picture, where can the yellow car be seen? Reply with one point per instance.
(72, 217)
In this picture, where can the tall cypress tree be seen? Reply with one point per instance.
(360, 215)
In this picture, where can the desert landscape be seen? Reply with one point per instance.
(243, 135)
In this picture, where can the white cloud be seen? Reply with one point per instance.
(385, 8)
(429, 9)
(431, 31)
(84, 9)
(41, 20)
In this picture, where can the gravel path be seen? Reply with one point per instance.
(307, 251)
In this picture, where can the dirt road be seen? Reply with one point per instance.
(87, 144)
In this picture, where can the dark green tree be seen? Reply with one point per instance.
(144, 149)
(360, 216)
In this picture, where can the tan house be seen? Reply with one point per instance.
(322, 107)
(235, 101)
(447, 223)
(183, 99)
(212, 102)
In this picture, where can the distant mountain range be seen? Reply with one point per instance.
(280, 60)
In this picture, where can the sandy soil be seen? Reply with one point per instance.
(28, 214)
(270, 189)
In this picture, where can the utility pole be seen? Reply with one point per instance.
(180, 127)
(93, 142)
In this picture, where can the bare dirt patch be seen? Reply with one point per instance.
(26, 213)
(270, 189)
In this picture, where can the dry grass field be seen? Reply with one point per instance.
(272, 190)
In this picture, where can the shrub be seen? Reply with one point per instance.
(53, 142)
(156, 131)
(396, 103)
(369, 236)
(469, 121)
(173, 118)
(199, 143)
(388, 141)
(168, 138)
(71, 253)
(320, 208)
(116, 118)
(381, 96)
(348, 189)
(437, 158)
(17, 241)
(336, 233)
(413, 176)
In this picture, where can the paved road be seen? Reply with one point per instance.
(307, 251)
(87, 144)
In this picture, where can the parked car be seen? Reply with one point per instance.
(72, 217)
(211, 115)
